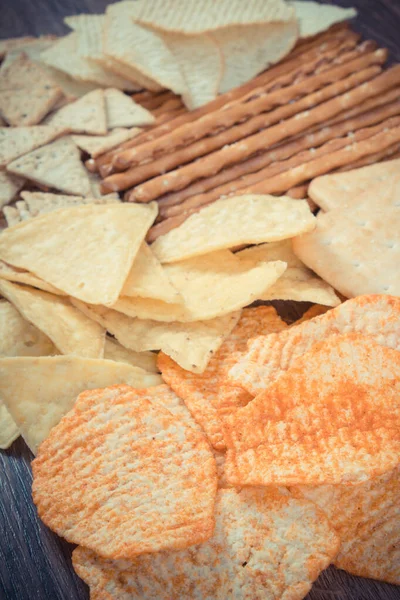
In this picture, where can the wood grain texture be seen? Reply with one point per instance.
(34, 563)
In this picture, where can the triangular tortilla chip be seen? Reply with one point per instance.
(148, 279)
(57, 165)
(18, 337)
(145, 360)
(12, 43)
(9, 187)
(11, 215)
(314, 17)
(89, 250)
(15, 141)
(122, 111)
(86, 115)
(39, 391)
(98, 144)
(9, 430)
(21, 276)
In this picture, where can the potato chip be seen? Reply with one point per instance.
(9, 187)
(145, 360)
(329, 418)
(211, 285)
(9, 431)
(98, 144)
(85, 115)
(209, 397)
(21, 276)
(250, 50)
(15, 141)
(27, 93)
(297, 282)
(268, 356)
(122, 111)
(148, 279)
(149, 481)
(366, 518)
(69, 330)
(89, 249)
(201, 63)
(56, 165)
(37, 407)
(314, 17)
(234, 221)
(255, 531)
(191, 345)
(206, 15)
(40, 203)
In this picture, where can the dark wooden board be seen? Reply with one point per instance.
(34, 563)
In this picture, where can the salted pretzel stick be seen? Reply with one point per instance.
(157, 100)
(326, 104)
(91, 166)
(298, 192)
(319, 38)
(390, 153)
(168, 106)
(168, 203)
(208, 124)
(282, 166)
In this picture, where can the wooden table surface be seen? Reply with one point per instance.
(34, 563)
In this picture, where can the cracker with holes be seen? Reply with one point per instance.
(127, 477)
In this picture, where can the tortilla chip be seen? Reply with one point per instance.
(232, 222)
(328, 419)
(15, 141)
(9, 187)
(314, 17)
(255, 531)
(12, 43)
(191, 345)
(148, 279)
(57, 165)
(40, 203)
(23, 210)
(9, 431)
(98, 144)
(89, 249)
(250, 50)
(297, 282)
(85, 115)
(27, 93)
(268, 357)
(201, 63)
(11, 215)
(150, 481)
(144, 360)
(211, 285)
(122, 111)
(208, 396)
(20, 276)
(37, 407)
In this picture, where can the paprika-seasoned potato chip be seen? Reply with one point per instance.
(267, 356)
(367, 520)
(330, 418)
(313, 311)
(36, 406)
(208, 395)
(145, 360)
(256, 530)
(125, 477)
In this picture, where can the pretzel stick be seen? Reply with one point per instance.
(91, 166)
(158, 100)
(169, 203)
(298, 192)
(242, 149)
(390, 153)
(168, 106)
(319, 38)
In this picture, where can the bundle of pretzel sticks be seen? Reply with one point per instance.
(329, 106)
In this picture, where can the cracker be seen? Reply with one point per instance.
(10, 185)
(250, 50)
(21, 276)
(40, 203)
(209, 397)
(145, 360)
(314, 17)
(234, 221)
(9, 431)
(328, 419)
(56, 165)
(255, 530)
(191, 345)
(206, 15)
(27, 93)
(153, 480)
(85, 115)
(366, 518)
(356, 249)
(70, 330)
(297, 282)
(201, 63)
(343, 189)
(268, 356)
(98, 144)
(148, 279)
(92, 264)
(122, 111)
(37, 408)
(20, 140)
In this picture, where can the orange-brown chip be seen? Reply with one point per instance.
(123, 476)
(314, 311)
(333, 417)
(367, 519)
(208, 395)
(268, 356)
